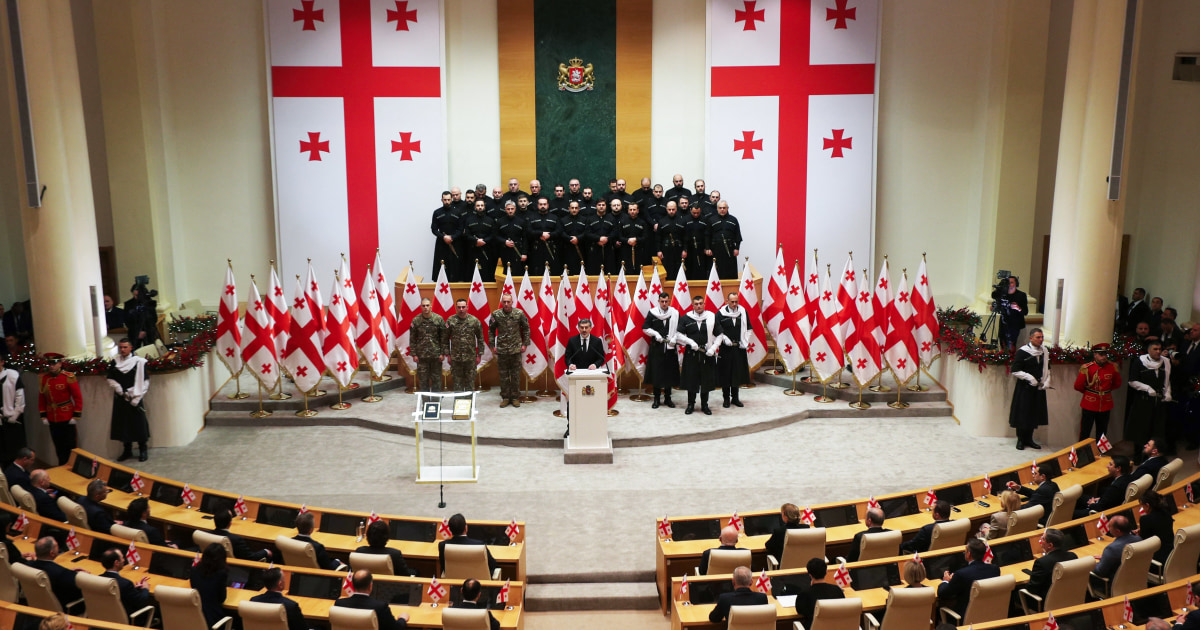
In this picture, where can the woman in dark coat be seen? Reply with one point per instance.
(1031, 368)
(209, 579)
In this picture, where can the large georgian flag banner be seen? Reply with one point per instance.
(359, 119)
(791, 120)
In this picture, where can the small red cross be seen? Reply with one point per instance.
(229, 289)
(278, 292)
(530, 359)
(308, 16)
(229, 352)
(372, 296)
(336, 299)
(841, 14)
(812, 278)
(883, 283)
(379, 278)
(443, 288)
(641, 358)
(715, 286)
(926, 346)
(528, 295)
(412, 288)
(549, 291)
(349, 285)
(266, 368)
(837, 143)
(314, 146)
(299, 303)
(585, 290)
(341, 366)
(820, 357)
(507, 289)
(903, 297)
(750, 348)
(476, 287)
(828, 296)
(402, 16)
(862, 364)
(302, 371)
(406, 147)
(901, 363)
(682, 286)
(622, 289)
(257, 305)
(567, 293)
(749, 284)
(849, 275)
(642, 294)
(374, 357)
(794, 290)
(314, 285)
(602, 295)
(924, 281)
(747, 145)
(863, 296)
(749, 15)
(787, 348)
(655, 288)
(779, 270)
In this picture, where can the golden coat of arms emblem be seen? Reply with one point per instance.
(573, 76)
(588, 390)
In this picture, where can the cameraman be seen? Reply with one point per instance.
(141, 316)
(1012, 305)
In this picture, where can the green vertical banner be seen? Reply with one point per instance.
(575, 59)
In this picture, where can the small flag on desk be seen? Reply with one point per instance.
(987, 484)
(1033, 468)
(1127, 613)
(1073, 457)
(1191, 497)
(841, 576)
(444, 529)
(21, 523)
(95, 467)
(763, 583)
(373, 517)
(303, 508)
(1103, 444)
(872, 504)
(1141, 510)
(132, 556)
(136, 483)
(683, 586)
(348, 582)
(512, 531)
(1051, 624)
(916, 557)
(239, 506)
(196, 561)
(437, 592)
(187, 495)
(1190, 599)
(988, 556)
(808, 517)
(72, 540)
(664, 528)
(502, 596)
(930, 497)
(1102, 524)
(735, 522)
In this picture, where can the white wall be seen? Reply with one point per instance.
(472, 94)
(678, 92)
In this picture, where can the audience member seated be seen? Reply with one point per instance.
(304, 526)
(241, 550)
(1156, 522)
(913, 574)
(955, 590)
(62, 579)
(209, 579)
(458, 536)
(17, 472)
(728, 540)
(998, 525)
(874, 523)
(134, 597)
(920, 543)
(99, 520)
(1153, 462)
(114, 316)
(1054, 550)
(1043, 495)
(1114, 494)
(137, 516)
(45, 496)
(789, 516)
(360, 598)
(273, 582)
(820, 589)
(472, 590)
(741, 596)
(377, 543)
(1120, 529)
(1186, 621)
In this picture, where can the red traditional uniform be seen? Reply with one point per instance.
(1096, 382)
(60, 403)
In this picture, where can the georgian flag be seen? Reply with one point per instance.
(808, 517)
(762, 584)
(188, 495)
(683, 587)
(277, 308)
(534, 362)
(620, 302)
(930, 497)
(664, 528)
(797, 303)
(546, 312)
(736, 522)
(812, 301)
(583, 305)
(239, 507)
(258, 344)
(841, 576)
(925, 322)
(614, 360)
(359, 119)
(21, 522)
(132, 557)
(443, 530)
(713, 300)
(229, 326)
(477, 305)
(410, 307)
(304, 359)
(849, 325)
(502, 596)
(825, 349)
(350, 297)
(560, 332)
(987, 481)
(443, 304)
(600, 311)
(872, 504)
(681, 301)
(512, 531)
(756, 350)
(437, 591)
(348, 583)
(901, 345)
(136, 483)
(369, 329)
(881, 300)
(387, 306)
(341, 360)
(865, 357)
(1103, 444)
(1073, 457)
(636, 344)
(779, 317)
(72, 540)
(791, 120)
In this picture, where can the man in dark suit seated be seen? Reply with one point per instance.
(360, 598)
(1153, 463)
(1185, 621)
(1109, 560)
(304, 527)
(458, 536)
(789, 516)
(377, 543)
(242, 551)
(134, 597)
(273, 582)
(1054, 550)
(137, 516)
(17, 472)
(920, 543)
(741, 596)
(99, 520)
(728, 540)
(1119, 472)
(47, 503)
(471, 591)
(585, 350)
(956, 587)
(874, 523)
(806, 601)
(1043, 495)
(62, 579)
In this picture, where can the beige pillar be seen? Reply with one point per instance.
(1085, 231)
(61, 250)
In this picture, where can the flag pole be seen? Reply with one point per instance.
(546, 392)
(794, 391)
(527, 398)
(340, 405)
(918, 387)
(261, 413)
(372, 397)
(306, 412)
(822, 398)
(641, 395)
(239, 394)
(279, 393)
(899, 404)
(859, 404)
(879, 386)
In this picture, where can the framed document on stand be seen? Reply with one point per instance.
(441, 411)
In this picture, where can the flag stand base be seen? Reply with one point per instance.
(352, 386)
(382, 379)
(793, 391)
(748, 385)
(306, 412)
(239, 394)
(859, 404)
(479, 386)
(823, 398)
(280, 395)
(261, 413)
(918, 387)
(340, 405)
(613, 412)
(559, 414)
(840, 385)
(880, 389)
(774, 369)
(526, 398)
(372, 397)
(898, 404)
(640, 396)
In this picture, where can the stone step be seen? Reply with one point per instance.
(933, 394)
(591, 596)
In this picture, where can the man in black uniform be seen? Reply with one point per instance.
(587, 205)
(602, 231)
(447, 227)
(637, 246)
(662, 361)
(535, 191)
(678, 190)
(456, 200)
(523, 202)
(616, 208)
(708, 205)
(643, 194)
(574, 193)
(511, 238)
(573, 243)
(129, 382)
(695, 236)
(514, 189)
(685, 207)
(1150, 393)
(542, 230)
(479, 234)
(481, 193)
(733, 368)
(654, 207)
(724, 241)
(699, 332)
(558, 205)
(671, 236)
(698, 197)
(1031, 368)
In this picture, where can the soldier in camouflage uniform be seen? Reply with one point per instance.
(465, 336)
(427, 344)
(508, 335)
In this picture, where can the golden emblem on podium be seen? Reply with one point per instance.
(575, 77)
(588, 390)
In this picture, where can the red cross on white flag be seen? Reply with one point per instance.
(72, 540)
(1051, 623)
(780, 318)
(229, 327)
(277, 309)
(664, 528)
(620, 301)
(389, 326)
(841, 576)
(925, 322)
(683, 586)
(755, 335)
(901, 345)
(1102, 525)
(341, 359)
(791, 120)
(762, 584)
(736, 522)
(534, 360)
(132, 557)
(872, 504)
(369, 338)
(560, 332)
(987, 484)
(359, 125)
(808, 516)
(1190, 598)
(21, 523)
(258, 342)
(930, 497)
(512, 531)
(373, 517)
(713, 300)
(348, 583)
(239, 507)
(410, 307)
(188, 495)
(1127, 610)
(303, 508)
(637, 346)
(825, 347)
(443, 530)
(303, 358)
(477, 305)
(1073, 457)
(502, 596)
(136, 483)
(865, 358)
(1103, 444)
(436, 591)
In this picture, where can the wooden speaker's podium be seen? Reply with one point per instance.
(587, 406)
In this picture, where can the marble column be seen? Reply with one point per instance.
(61, 249)
(1085, 230)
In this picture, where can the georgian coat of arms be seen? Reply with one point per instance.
(575, 77)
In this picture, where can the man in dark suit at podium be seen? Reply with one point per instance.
(584, 350)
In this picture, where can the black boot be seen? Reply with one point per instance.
(656, 397)
(734, 399)
(725, 397)
(126, 454)
(667, 398)
(143, 452)
(691, 403)
(704, 405)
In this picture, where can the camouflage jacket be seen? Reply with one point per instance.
(465, 336)
(507, 332)
(427, 337)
